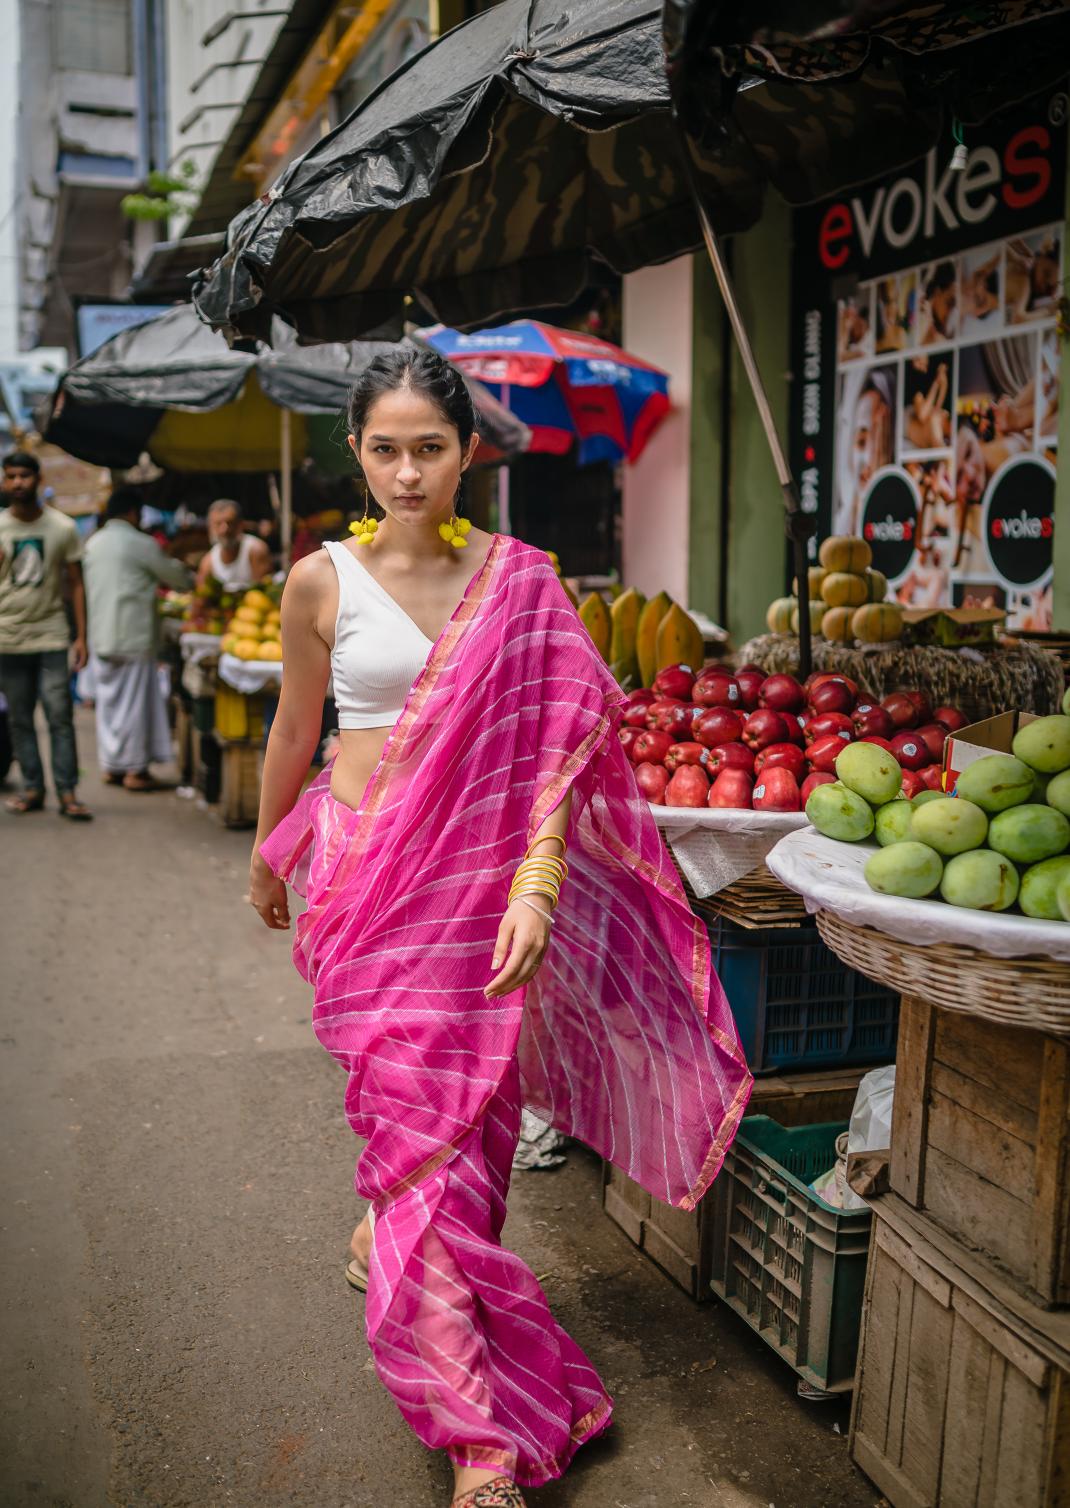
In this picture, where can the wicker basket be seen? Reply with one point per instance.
(1027, 992)
(757, 899)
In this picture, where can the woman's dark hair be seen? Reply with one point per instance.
(421, 371)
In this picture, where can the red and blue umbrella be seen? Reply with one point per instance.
(568, 388)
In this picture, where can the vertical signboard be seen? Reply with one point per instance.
(925, 353)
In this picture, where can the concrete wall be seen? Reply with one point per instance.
(658, 326)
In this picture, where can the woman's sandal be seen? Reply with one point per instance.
(357, 1275)
(499, 1492)
(26, 801)
(70, 806)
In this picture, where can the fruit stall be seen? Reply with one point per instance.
(959, 899)
(884, 786)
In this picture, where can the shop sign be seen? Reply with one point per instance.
(925, 361)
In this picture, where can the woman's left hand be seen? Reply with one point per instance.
(522, 941)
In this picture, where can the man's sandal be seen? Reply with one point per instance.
(26, 801)
(499, 1492)
(70, 806)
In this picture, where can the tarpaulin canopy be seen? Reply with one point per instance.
(485, 177)
(565, 385)
(172, 387)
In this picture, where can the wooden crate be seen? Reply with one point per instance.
(980, 1143)
(239, 793)
(962, 1394)
(681, 1241)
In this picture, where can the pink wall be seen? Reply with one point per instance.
(658, 326)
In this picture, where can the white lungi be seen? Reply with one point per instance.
(132, 727)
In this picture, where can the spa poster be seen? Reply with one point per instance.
(925, 361)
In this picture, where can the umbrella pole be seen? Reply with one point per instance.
(286, 494)
(798, 526)
(505, 523)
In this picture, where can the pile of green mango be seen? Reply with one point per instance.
(1002, 838)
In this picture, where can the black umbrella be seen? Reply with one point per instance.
(488, 176)
(172, 387)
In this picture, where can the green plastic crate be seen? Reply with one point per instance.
(791, 1265)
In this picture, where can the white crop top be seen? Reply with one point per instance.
(378, 650)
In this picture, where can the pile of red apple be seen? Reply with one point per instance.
(745, 739)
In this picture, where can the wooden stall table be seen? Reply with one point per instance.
(963, 1387)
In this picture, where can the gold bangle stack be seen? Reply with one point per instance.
(540, 876)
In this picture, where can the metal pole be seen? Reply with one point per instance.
(798, 526)
(286, 514)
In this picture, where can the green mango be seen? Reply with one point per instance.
(1044, 744)
(950, 826)
(1028, 834)
(870, 771)
(892, 823)
(996, 782)
(980, 881)
(1058, 793)
(1039, 894)
(908, 869)
(839, 813)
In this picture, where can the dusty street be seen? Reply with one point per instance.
(177, 1197)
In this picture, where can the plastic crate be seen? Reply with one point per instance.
(789, 1264)
(796, 1005)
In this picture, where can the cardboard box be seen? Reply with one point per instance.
(992, 735)
(952, 627)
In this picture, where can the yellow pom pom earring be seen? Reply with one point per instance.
(456, 532)
(365, 528)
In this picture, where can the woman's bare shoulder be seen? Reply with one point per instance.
(310, 575)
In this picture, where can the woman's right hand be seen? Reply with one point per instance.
(267, 895)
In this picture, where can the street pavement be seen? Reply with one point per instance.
(176, 1202)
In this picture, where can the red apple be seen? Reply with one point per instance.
(634, 714)
(882, 743)
(675, 681)
(716, 688)
(869, 719)
(657, 713)
(832, 675)
(627, 738)
(652, 780)
(824, 753)
(717, 725)
(685, 753)
(749, 667)
(781, 756)
(910, 751)
(912, 784)
(829, 722)
(933, 736)
(922, 705)
(833, 695)
(764, 727)
(932, 776)
(680, 721)
(641, 695)
(783, 693)
(951, 718)
(819, 777)
(750, 684)
(793, 723)
(730, 757)
(688, 787)
(732, 788)
(901, 710)
(651, 745)
(777, 791)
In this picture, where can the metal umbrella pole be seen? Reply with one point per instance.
(798, 525)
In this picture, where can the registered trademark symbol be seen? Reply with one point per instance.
(1058, 109)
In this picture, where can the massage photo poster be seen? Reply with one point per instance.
(925, 361)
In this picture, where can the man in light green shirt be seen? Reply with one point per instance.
(123, 568)
(40, 551)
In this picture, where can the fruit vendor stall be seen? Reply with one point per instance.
(959, 900)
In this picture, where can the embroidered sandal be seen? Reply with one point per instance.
(499, 1492)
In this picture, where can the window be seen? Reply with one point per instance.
(91, 36)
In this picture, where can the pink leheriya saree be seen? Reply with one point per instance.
(623, 1040)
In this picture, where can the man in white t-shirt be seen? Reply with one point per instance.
(40, 555)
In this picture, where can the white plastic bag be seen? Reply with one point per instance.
(871, 1122)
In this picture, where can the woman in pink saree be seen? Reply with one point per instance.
(449, 1005)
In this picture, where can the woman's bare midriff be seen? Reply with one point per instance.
(359, 751)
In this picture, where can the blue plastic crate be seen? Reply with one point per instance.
(796, 1004)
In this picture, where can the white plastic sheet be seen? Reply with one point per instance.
(716, 847)
(249, 676)
(198, 647)
(829, 876)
